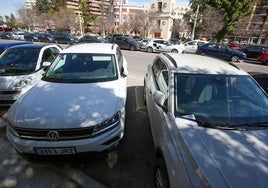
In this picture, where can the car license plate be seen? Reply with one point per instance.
(55, 151)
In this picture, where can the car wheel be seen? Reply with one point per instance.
(174, 51)
(161, 175)
(234, 58)
(144, 93)
(149, 49)
(56, 41)
(132, 48)
(203, 53)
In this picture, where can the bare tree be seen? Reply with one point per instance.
(64, 19)
(27, 17)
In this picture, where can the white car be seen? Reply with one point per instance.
(191, 46)
(21, 67)
(161, 45)
(77, 108)
(209, 123)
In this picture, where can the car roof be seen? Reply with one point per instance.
(12, 43)
(102, 48)
(197, 64)
(28, 46)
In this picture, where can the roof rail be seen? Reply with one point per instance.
(171, 59)
(230, 63)
(113, 46)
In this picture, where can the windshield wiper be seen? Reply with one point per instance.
(260, 124)
(214, 125)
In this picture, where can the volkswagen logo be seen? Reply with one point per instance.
(53, 135)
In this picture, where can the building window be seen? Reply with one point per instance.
(153, 5)
(159, 6)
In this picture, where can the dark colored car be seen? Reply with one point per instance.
(92, 38)
(46, 37)
(6, 35)
(5, 45)
(262, 79)
(252, 51)
(127, 43)
(263, 56)
(64, 38)
(220, 51)
(111, 38)
(31, 36)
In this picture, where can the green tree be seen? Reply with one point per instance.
(232, 11)
(49, 6)
(85, 13)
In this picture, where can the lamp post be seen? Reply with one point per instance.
(195, 20)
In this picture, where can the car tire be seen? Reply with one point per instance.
(149, 49)
(161, 175)
(174, 51)
(234, 58)
(144, 92)
(203, 53)
(132, 48)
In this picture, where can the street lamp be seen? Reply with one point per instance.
(195, 20)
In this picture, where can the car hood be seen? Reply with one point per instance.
(228, 158)
(9, 82)
(58, 105)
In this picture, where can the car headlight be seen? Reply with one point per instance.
(12, 129)
(23, 83)
(107, 124)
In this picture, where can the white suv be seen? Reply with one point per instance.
(191, 46)
(161, 45)
(78, 107)
(209, 122)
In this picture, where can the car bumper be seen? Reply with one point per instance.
(97, 144)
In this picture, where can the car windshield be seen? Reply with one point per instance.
(18, 61)
(82, 68)
(222, 99)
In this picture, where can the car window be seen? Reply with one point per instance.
(227, 98)
(82, 67)
(50, 54)
(161, 75)
(20, 60)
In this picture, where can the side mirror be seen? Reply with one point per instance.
(159, 98)
(46, 64)
(124, 72)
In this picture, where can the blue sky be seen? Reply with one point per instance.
(10, 6)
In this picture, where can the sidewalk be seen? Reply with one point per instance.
(17, 172)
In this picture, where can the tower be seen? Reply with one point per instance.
(161, 18)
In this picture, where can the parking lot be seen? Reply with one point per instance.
(131, 164)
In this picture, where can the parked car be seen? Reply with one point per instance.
(209, 123)
(262, 79)
(235, 45)
(191, 46)
(161, 45)
(112, 37)
(21, 67)
(77, 108)
(7, 44)
(252, 51)
(91, 38)
(220, 51)
(263, 56)
(18, 35)
(127, 43)
(31, 36)
(64, 38)
(6, 35)
(46, 37)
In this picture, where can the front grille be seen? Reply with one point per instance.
(9, 92)
(64, 134)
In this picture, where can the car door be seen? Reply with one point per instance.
(190, 47)
(157, 80)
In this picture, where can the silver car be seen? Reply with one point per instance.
(209, 122)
